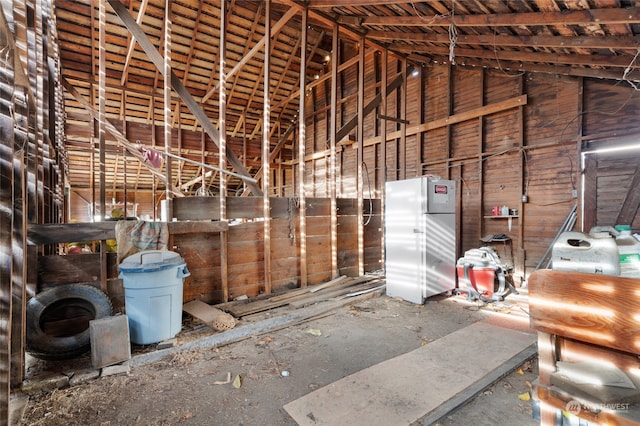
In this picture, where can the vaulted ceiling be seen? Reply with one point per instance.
(587, 38)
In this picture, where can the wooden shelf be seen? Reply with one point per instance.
(509, 217)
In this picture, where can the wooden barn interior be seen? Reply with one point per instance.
(263, 135)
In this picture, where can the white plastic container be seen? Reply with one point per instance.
(629, 252)
(153, 282)
(592, 254)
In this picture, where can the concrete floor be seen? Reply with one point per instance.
(249, 381)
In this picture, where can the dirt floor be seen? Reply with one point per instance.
(249, 381)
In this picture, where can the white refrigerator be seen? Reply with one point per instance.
(420, 237)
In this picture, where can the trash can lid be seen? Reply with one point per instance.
(151, 261)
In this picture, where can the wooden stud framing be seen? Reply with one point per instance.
(332, 150)
(40, 147)
(449, 113)
(360, 157)
(402, 150)
(224, 282)
(102, 96)
(479, 212)
(266, 145)
(518, 264)
(301, 154)
(6, 223)
(167, 108)
(383, 145)
(19, 271)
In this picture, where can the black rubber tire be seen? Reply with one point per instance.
(70, 297)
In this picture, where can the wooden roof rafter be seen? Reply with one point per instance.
(566, 17)
(275, 29)
(590, 42)
(534, 57)
(177, 85)
(245, 53)
(592, 39)
(132, 43)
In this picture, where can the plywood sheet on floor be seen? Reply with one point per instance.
(409, 387)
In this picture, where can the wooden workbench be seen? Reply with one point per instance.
(589, 323)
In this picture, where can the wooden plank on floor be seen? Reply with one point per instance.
(416, 385)
(202, 311)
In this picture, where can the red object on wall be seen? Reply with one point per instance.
(495, 211)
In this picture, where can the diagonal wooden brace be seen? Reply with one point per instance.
(151, 51)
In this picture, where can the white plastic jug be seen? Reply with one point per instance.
(629, 252)
(591, 254)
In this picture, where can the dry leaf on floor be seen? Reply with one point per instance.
(237, 382)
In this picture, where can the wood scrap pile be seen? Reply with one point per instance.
(339, 288)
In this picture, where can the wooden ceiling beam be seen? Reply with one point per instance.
(536, 57)
(606, 42)
(511, 67)
(566, 17)
(334, 3)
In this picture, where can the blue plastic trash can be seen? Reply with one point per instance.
(153, 282)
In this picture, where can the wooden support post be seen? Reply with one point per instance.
(332, 147)
(266, 147)
(153, 145)
(403, 126)
(586, 222)
(102, 95)
(40, 147)
(360, 157)
(19, 271)
(6, 201)
(421, 117)
(167, 109)
(301, 155)
(224, 267)
(518, 264)
(6, 225)
(480, 211)
(383, 146)
(450, 95)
